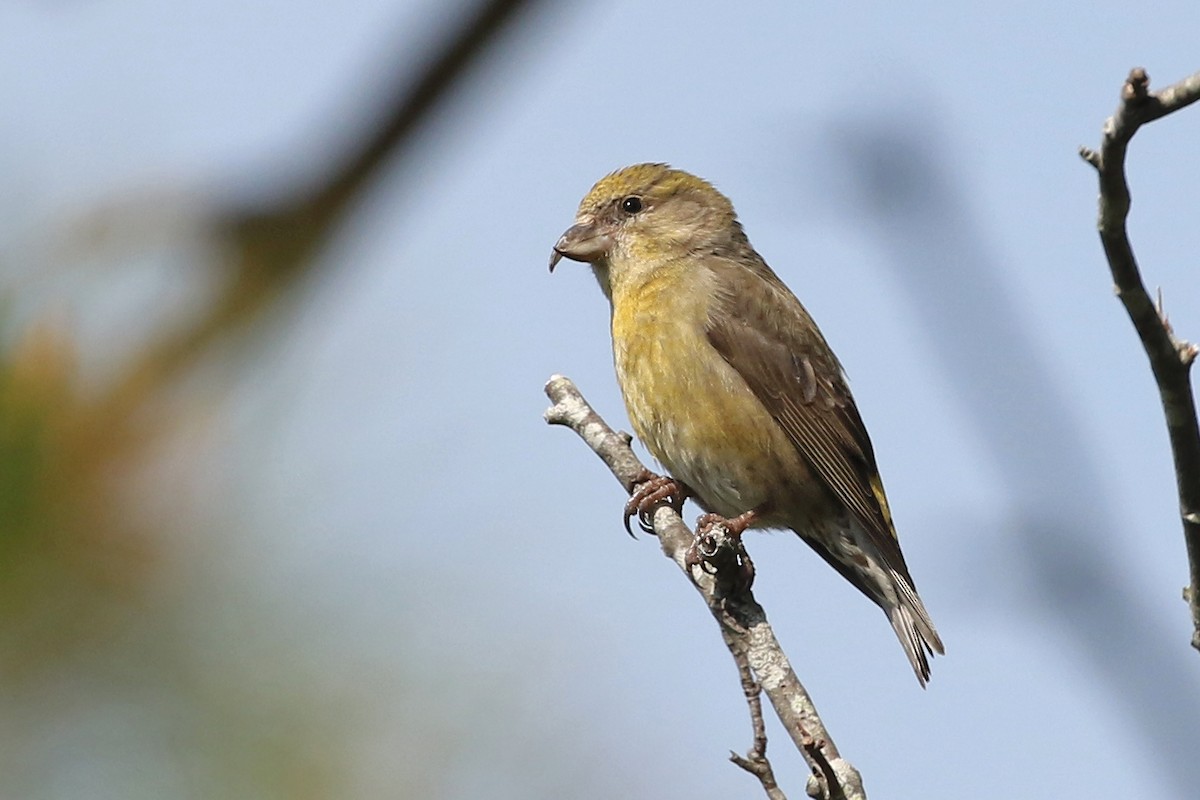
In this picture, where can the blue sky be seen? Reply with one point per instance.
(909, 170)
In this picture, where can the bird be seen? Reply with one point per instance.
(732, 387)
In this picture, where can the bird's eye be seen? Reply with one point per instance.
(631, 205)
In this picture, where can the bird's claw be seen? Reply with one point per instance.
(718, 550)
(649, 491)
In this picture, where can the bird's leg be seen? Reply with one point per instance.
(649, 490)
(724, 555)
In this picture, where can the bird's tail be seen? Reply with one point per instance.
(913, 626)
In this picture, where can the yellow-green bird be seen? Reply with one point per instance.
(731, 386)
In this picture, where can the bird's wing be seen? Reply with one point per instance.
(763, 332)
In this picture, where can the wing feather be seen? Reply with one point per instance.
(793, 372)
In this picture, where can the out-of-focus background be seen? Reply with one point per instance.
(279, 517)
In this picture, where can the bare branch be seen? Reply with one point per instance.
(743, 622)
(1170, 357)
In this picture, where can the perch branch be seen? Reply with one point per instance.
(1170, 357)
(742, 620)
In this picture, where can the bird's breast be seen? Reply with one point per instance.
(690, 408)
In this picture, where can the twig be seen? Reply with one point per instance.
(755, 761)
(1170, 357)
(742, 620)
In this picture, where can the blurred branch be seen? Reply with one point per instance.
(93, 621)
(743, 622)
(1170, 357)
(64, 451)
(404, 112)
(273, 246)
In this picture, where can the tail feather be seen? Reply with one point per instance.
(913, 627)
(853, 554)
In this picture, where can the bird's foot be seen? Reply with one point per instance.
(734, 526)
(649, 491)
(719, 551)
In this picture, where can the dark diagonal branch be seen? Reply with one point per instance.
(283, 236)
(743, 622)
(269, 247)
(1170, 357)
(479, 29)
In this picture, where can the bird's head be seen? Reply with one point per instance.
(641, 217)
